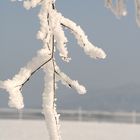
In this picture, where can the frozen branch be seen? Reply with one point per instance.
(14, 86)
(31, 3)
(34, 72)
(49, 107)
(52, 24)
(69, 82)
(15, 96)
(89, 48)
(51, 34)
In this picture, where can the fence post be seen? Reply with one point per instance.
(134, 117)
(80, 114)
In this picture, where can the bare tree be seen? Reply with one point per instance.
(53, 37)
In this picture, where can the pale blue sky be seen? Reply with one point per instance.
(119, 38)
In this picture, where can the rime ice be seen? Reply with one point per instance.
(52, 35)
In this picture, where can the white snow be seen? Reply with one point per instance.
(71, 130)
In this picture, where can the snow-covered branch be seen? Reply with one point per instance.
(69, 82)
(13, 88)
(52, 35)
(89, 48)
(49, 107)
(137, 4)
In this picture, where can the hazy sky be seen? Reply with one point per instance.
(119, 38)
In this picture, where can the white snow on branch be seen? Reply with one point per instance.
(69, 82)
(42, 56)
(13, 87)
(15, 96)
(49, 107)
(58, 33)
(52, 35)
(80, 89)
(31, 3)
(89, 48)
(50, 25)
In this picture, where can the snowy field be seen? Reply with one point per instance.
(36, 130)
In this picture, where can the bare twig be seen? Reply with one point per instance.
(34, 72)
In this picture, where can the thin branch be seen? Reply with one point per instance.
(53, 63)
(51, 58)
(69, 82)
(54, 80)
(73, 31)
(63, 78)
(35, 72)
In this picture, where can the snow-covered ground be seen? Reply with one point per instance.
(36, 130)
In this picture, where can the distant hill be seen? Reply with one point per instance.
(122, 98)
